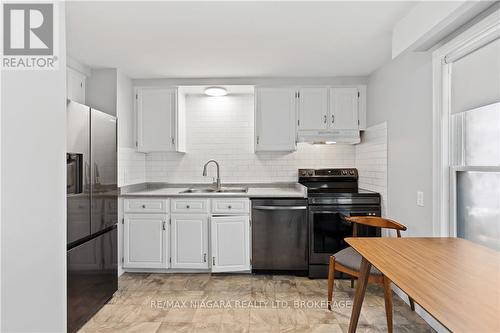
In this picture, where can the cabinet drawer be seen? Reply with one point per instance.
(190, 205)
(230, 206)
(145, 206)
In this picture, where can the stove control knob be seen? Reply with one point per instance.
(310, 173)
(344, 172)
(351, 172)
(303, 172)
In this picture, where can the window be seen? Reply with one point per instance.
(466, 170)
(475, 175)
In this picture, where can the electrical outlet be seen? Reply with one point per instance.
(420, 198)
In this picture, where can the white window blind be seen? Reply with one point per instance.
(475, 78)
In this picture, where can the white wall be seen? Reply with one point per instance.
(78, 66)
(223, 129)
(33, 197)
(101, 90)
(371, 161)
(400, 93)
(125, 110)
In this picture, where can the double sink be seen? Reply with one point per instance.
(215, 190)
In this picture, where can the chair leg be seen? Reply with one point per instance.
(352, 282)
(388, 303)
(412, 303)
(331, 279)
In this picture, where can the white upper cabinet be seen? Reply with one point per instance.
(156, 119)
(313, 108)
(275, 119)
(75, 85)
(189, 241)
(145, 242)
(230, 243)
(344, 108)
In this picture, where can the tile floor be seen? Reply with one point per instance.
(157, 303)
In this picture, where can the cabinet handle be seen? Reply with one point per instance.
(143, 206)
(213, 261)
(324, 119)
(187, 206)
(257, 139)
(229, 207)
(333, 119)
(163, 225)
(204, 257)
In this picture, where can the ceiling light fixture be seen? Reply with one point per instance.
(216, 91)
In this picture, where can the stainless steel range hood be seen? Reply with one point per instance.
(330, 137)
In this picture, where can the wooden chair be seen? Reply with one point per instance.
(348, 261)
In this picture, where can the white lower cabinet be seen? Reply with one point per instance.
(189, 239)
(146, 244)
(198, 234)
(230, 243)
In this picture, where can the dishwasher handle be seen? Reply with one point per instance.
(280, 207)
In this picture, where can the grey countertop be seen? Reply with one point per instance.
(267, 190)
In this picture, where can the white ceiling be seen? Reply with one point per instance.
(233, 39)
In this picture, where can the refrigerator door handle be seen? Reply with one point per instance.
(97, 177)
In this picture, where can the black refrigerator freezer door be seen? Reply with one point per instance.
(92, 277)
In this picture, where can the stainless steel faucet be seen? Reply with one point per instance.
(217, 182)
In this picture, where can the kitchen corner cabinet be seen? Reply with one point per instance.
(157, 115)
(275, 119)
(230, 236)
(75, 85)
(189, 241)
(146, 243)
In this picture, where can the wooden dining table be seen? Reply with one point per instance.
(455, 280)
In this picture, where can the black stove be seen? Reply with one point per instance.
(334, 194)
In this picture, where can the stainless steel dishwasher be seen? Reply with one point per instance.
(279, 236)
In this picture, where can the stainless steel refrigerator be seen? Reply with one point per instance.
(92, 212)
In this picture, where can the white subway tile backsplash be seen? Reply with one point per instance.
(131, 167)
(371, 161)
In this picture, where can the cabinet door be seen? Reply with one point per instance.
(145, 243)
(344, 108)
(189, 241)
(155, 119)
(75, 85)
(275, 119)
(230, 243)
(313, 109)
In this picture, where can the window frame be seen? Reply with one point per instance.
(443, 172)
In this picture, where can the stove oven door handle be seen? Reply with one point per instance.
(343, 201)
(280, 207)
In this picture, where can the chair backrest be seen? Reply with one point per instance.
(374, 221)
